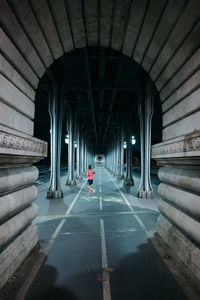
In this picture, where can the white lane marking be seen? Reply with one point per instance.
(100, 189)
(43, 219)
(100, 203)
(106, 278)
(148, 233)
(60, 225)
(112, 199)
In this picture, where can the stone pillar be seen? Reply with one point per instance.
(179, 189)
(71, 151)
(56, 115)
(18, 151)
(145, 111)
(128, 178)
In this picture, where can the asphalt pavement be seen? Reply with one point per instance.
(98, 246)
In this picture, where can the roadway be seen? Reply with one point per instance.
(98, 247)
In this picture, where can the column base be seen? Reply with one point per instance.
(120, 177)
(113, 173)
(145, 194)
(129, 182)
(71, 182)
(54, 194)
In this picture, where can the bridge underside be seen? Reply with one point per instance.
(100, 66)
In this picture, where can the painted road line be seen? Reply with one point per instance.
(28, 281)
(43, 219)
(106, 278)
(60, 225)
(100, 203)
(148, 233)
(100, 189)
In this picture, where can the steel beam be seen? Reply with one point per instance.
(87, 77)
(119, 68)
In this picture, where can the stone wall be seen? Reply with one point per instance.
(179, 222)
(18, 151)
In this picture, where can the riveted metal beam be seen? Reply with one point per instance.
(86, 69)
(114, 92)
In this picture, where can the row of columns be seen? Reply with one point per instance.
(114, 160)
(83, 153)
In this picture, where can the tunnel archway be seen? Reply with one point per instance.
(108, 86)
(161, 36)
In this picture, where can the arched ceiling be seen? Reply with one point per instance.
(162, 36)
(100, 85)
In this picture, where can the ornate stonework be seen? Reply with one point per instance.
(13, 142)
(184, 144)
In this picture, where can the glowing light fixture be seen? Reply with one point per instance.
(67, 139)
(133, 140)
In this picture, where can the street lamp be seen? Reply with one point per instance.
(67, 139)
(125, 145)
(133, 140)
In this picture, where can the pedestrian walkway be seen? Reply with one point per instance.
(98, 246)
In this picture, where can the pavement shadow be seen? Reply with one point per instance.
(43, 287)
(137, 272)
(143, 275)
(76, 247)
(140, 275)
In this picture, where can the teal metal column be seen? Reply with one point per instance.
(129, 179)
(56, 115)
(145, 111)
(78, 153)
(71, 151)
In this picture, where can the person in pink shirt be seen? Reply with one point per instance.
(90, 174)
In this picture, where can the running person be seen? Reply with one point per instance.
(90, 174)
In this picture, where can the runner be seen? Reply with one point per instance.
(90, 174)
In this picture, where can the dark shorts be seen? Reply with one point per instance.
(90, 182)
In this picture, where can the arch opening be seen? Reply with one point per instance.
(106, 85)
